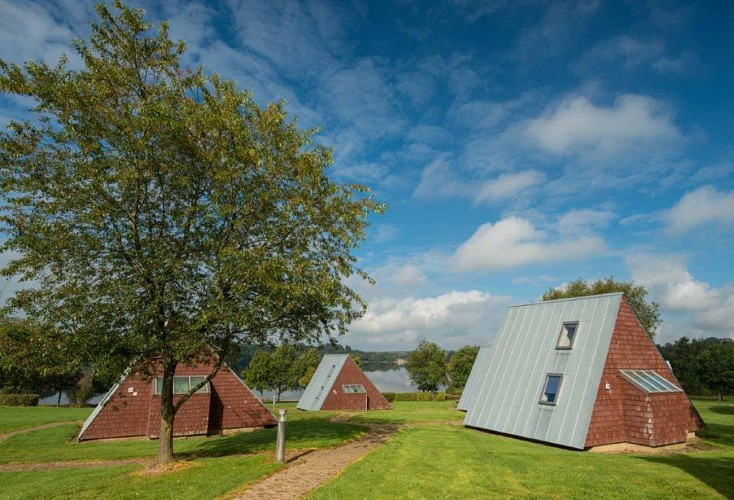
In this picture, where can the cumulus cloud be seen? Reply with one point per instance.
(578, 127)
(506, 186)
(452, 320)
(704, 205)
(515, 241)
(711, 309)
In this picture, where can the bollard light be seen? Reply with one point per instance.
(280, 442)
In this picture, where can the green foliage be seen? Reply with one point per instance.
(647, 312)
(702, 366)
(163, 212)
(18, 399)
(281, 370)
(35, 359)
(417, 396)
(426, 366)
(460, 366)
(716, 365)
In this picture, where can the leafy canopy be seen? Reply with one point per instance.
(426, 366)
(461, 364)
(647, 312)
(160, 212)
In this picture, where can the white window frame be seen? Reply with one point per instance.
(354, 389)
(649, 381)
(563, 336)
(543, 395)
(158, 381)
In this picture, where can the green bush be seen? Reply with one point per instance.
(419, 396)
(19, 399)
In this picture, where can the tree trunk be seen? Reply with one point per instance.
(165, 439)
(58, 400)
(721, 398)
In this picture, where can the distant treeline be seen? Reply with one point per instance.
(367, 357)
(704, 366)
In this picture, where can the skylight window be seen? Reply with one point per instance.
(551, 389)
(354, 389)
(649, 381)
(568, 335)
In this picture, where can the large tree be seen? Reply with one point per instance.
(460, 366)
(426, 366)
(647, 312)
(163, 215)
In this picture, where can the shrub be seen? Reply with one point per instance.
(19, 399)
(418, 396)
(390, 396)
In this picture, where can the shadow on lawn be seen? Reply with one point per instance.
(316, 432)
(717, 472)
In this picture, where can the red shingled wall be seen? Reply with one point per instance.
(625, 413)
(339, 400)
(228, 405)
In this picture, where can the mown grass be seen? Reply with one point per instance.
(22, 417)
(201, 478)
(448, 461)
(57, 443)
(411, 412)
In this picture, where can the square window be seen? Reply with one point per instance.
(551, 388)
(158, 389)
(197, 380)
(181, 385)
(568, 334)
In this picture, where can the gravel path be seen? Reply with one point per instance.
(310, 470)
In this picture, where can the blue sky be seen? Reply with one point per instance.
(519, 144)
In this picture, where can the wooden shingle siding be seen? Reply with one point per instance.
(624, 413)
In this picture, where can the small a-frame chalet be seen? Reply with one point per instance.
(580, 373)
(132, 407)
(339, 384)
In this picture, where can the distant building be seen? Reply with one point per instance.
(132, 407)
(581, 373)
(339, 384)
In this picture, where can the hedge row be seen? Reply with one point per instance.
(418, 396)
(19, 399)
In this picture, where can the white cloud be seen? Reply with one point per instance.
(514, 241)
(452, 320)
(584, 220)
(409, 275)
(577, 127)
(705, 205)
(506, 186)
(711, 309)
(28, 31)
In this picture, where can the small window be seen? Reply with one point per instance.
(181, 385)
(354, 389)
(649, 381)
(568, 334)
(550, 390)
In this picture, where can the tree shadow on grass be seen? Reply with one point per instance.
(314, 432)
(715, 471)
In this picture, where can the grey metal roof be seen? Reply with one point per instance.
(321, 382)
(473, 383)
(513, 377)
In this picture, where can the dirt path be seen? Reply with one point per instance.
(73, 464)
(307, 471)
(8, 434)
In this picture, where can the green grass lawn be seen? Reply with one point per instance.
(214, 465)
(21, 417)
(431, 457)
(448, 461)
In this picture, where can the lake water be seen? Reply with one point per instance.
(395, 379)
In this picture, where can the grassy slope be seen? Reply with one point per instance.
(448, 461)
(22, 417)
